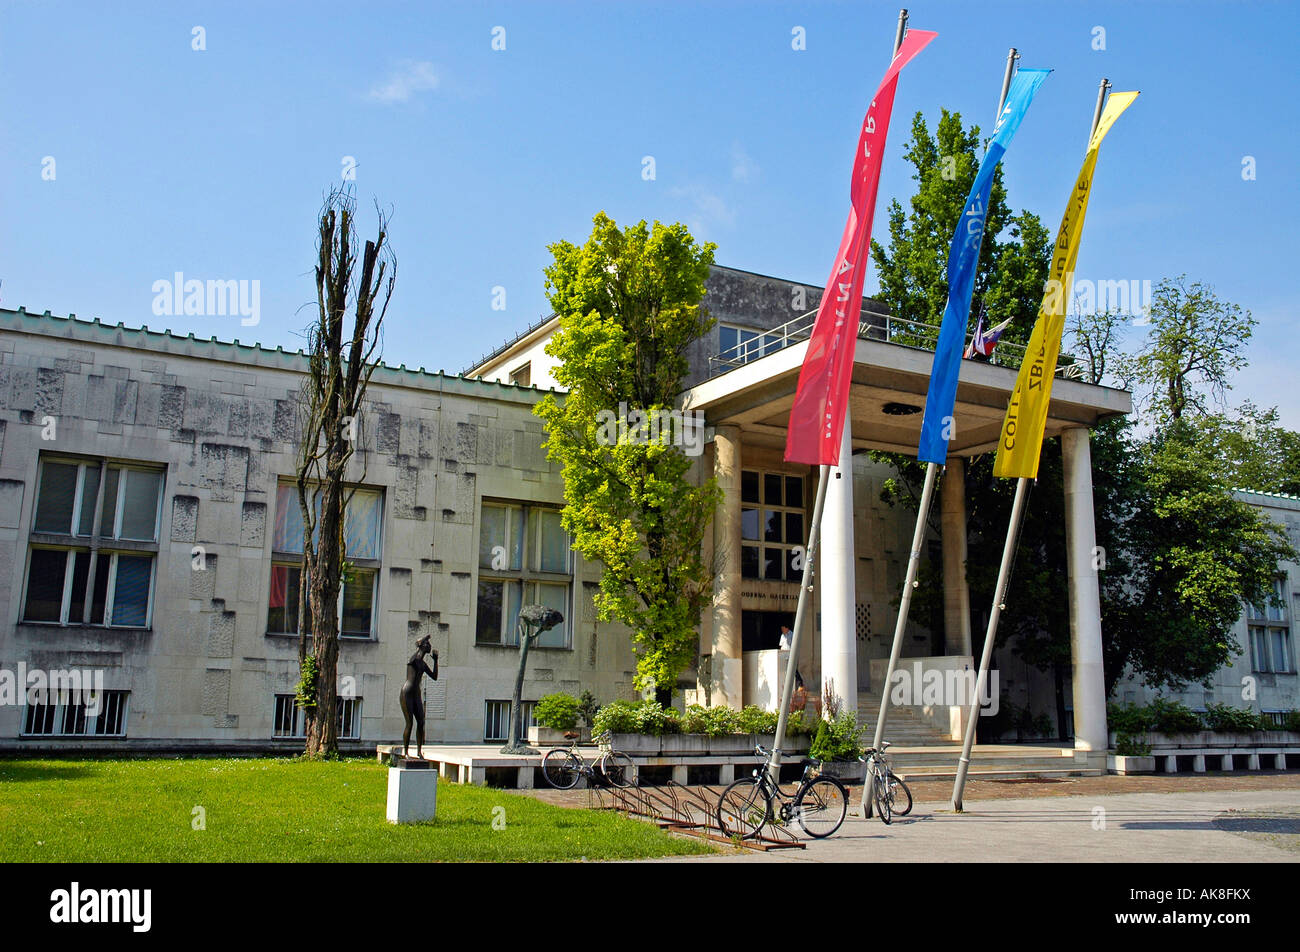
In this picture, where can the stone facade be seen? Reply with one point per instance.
(220, 420)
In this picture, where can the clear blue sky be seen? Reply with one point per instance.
(213, 162)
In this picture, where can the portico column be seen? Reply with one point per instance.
(956, 594)
(1085, 593)
(728, 670)
(838, 580)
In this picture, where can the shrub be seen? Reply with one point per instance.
(754, 720)
(1238, 720)
(1171, 717)
(1291, 722)
(617, 717)
(713, 721)
(797, 725)
(837, 739)
(1128, 718)
(557, 711)
(655, 720)
(587, 708)
(1126, 745)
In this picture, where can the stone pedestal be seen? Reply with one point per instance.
(412, 794)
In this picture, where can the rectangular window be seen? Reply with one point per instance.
(496, 719)
(362, 530)
(286, 717)
(740, 345)
(773, 527)
(75, 573)
(1270, 634)
(69, 716)
(290, 720)
(524, 559)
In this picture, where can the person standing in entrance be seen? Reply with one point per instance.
(787, 638)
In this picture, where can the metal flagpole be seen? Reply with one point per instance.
(918, 537)
(1004, 571)
(814, 531)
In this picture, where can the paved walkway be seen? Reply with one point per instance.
(1209, 826)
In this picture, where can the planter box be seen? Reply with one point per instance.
(685, 744)
(634, 744)
(849, 771)
(1124, 765)
(1203, 739)
(793, 745)
(550, 737)
(730, 745)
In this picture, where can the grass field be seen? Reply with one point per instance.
(270, 810)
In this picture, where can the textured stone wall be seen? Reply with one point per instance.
(221, 418)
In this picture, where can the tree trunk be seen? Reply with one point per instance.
(326, 583)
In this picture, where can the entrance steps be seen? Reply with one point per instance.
(921, 751)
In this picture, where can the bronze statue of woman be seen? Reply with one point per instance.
(412, 702)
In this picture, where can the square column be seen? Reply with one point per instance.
(728, 673)
(1083, 560)
(838, 586)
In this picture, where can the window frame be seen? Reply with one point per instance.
(90, 724)
(298, 729)
(294, 561)
(750, 344)
(529, 719)
(1267, 623)
(526, 575)
(782, 511)
(72, 543)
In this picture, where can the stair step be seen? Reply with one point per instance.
(975, 773)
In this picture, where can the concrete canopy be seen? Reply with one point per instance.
(758, 395)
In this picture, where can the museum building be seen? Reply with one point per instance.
(149, 530)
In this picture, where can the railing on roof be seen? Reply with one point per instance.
(885, 328)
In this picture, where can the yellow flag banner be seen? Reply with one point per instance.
(1022, 429)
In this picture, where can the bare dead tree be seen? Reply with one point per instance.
(340, 365)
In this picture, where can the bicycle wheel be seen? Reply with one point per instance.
(900, 796)
(743, 809)
(821, 807)
(618, 768)
(880, 791)
(561, 768)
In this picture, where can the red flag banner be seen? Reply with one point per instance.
(817, 417)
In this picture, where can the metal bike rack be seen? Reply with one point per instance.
(683, 810)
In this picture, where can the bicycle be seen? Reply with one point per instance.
(888, 790)
(562, 766)
(746, 806)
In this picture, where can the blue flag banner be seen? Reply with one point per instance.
(963, 262)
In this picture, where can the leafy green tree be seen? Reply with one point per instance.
(1192, 553)
(1181, 552)
(628, 304)
(1194, 347)
(1014, 257)
(1259, 453)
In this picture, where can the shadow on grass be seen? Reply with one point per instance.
(11, 770)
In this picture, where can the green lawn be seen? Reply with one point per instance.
(271, 810)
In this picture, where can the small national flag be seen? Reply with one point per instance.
(985, 340)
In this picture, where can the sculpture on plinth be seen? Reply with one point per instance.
(533, 620)
(411, 700)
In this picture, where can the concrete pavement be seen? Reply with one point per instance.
(1214, 826)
